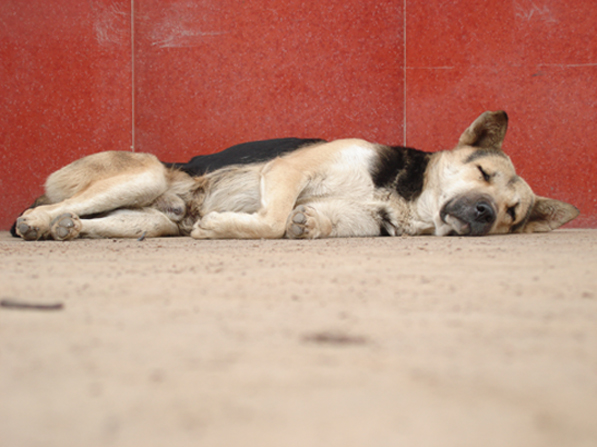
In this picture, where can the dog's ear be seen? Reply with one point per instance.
(487, 132)
(549, 214)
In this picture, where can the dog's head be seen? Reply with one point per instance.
(477, 191)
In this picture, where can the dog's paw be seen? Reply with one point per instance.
(200, 233)
(27, 230)
(204, 228)
(33, 226)
(65, 227)
(305, 223)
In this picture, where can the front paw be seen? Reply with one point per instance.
(305, 223)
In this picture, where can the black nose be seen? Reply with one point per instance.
(484, 212)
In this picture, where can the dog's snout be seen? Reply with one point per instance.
(470, 214)
(484, 212)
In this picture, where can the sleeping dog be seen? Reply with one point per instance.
(297, 189)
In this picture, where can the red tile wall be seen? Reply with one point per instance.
(216, 73)
(65, 72)
(179, 78)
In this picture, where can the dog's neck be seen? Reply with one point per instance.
(404, 174)
(427, 206)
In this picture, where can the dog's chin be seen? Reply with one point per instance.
(451, 226)
(458, 227)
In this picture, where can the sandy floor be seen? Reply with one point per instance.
(353, 342)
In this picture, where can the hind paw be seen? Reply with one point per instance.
(306, 223)
(27, 230)
(65, 227)
(33, 226)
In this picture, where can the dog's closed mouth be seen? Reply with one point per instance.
(461, 228)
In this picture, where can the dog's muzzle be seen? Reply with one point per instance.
(470, 215)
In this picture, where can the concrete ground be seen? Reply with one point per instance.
(350, 342)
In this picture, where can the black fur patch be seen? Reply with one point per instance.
(402, 169)
(242, 154)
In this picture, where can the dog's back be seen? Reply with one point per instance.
(242, 154)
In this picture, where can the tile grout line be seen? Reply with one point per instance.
(133, 75)
(404, 69)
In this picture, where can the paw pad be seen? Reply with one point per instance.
(297, 227)
(302, 223)
(65, 226)
(27, 232)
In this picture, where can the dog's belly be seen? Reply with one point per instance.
(236, 189)
(336, 182)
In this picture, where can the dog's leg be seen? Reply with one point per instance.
(128, 189)
(126, 223)
(333, 218)
(280, 186)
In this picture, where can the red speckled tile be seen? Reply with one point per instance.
(217, 73)
(536, 61)
(66, 90)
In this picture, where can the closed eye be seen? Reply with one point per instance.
(485, 175)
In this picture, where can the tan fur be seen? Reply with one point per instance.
(324, 190)
(452, 177)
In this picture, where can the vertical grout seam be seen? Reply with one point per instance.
(404, 69)
(133, 75)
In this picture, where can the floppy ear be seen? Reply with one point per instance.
(487, 132)
(549, 214)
